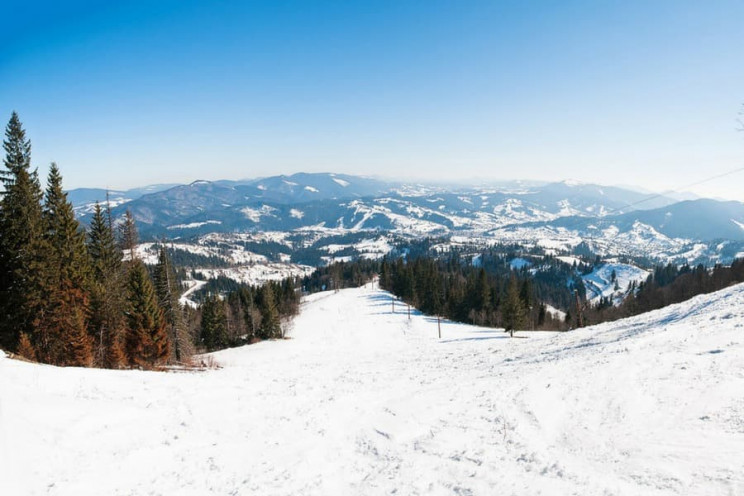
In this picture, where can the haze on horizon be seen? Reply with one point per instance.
(632, 93)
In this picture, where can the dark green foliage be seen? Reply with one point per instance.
(246, 314)
(270, 325)
(166, 287)
(147, 343)
(669, 284)
(341, 275)
(213, 324)
(107, 322)
(514, 311)
(64, 338)
(452, 287)
(128, 235)
(22, 251)
(186, 259)
(17, 152)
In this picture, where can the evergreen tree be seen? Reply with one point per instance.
(107, 291)
(17, 152)
(514, 312)
(146, 339)
(22, 249)
(213, 324)
(270, 325)
(129, 235)
(166, 287)
(66, 281)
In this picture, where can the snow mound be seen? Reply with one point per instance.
(363, 401)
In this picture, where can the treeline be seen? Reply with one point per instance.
(340, 275)
(72, 297)
(669, 284)
(463, 293)
(68, 297)
(246, 315)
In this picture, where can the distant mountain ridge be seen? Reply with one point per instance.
(343, 203)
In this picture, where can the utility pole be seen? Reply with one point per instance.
(439, 326)
(392, 300)
(409, 311)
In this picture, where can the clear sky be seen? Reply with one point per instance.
(124, 94)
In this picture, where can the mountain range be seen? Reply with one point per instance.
(611, 220)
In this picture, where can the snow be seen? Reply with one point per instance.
(555, 313)
(297, 214)
(362, 401)
(518, 263)
(311, 189)
(741, 225)
(254, 214)
(258, 273)
(599, 283)
(568, 260)
(193, 286)
(194, 225)
(148, 252)
(341, 182)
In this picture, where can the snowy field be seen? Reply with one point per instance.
(363, 401)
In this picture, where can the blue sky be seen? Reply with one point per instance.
(644, 93)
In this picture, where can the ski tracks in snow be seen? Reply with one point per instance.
(364, 401)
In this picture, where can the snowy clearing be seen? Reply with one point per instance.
(363, 401)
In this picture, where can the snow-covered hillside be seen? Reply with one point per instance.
(363, 401)
(612, 280)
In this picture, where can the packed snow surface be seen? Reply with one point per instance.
(364, 401)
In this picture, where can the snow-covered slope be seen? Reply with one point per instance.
(600, 282)
(363, 401)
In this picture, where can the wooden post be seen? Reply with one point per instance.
(409, 312)
(392, 300)
(439, 326)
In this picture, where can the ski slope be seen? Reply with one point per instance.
(362, 401)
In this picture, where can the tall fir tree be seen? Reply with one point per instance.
(107, 292)
(129, 236)
(147, 343)
(22, 248)
(514, 313)
(63, 320)
(213, 324)
(270, 325)
(166, 287)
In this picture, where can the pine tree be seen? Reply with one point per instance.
(146, 339)
(17, 151)
(21, 243)
(66, 281)
(129, 235)
(213, 324)
(166, 288)
(270, 325)
(107, 291)
(514, 312)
